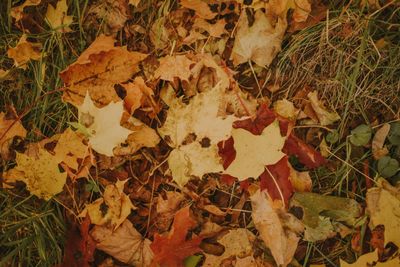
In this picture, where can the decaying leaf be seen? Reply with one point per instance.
(103, 125)
(58, 18)
(172, 67)
(97, 70)
(261, 42)
(278, 229)
(40, 174)
(383, 206)
(125, 244)
(286, 109)
(214, 30)
(200, 8)
(324, 116)
(23, 52)
(112, 208)
(8, 130)
(378, 142)
(319, 210)
(166, 209)
(238, 243)
(18, 11)
(176, 239)
(112, 14)
(250, 164)
(371, 259)
(70, 148)
(139, 94)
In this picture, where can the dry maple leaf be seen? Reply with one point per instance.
(9, 128)
(23, 52)
(172, 67)
(278, 229)
(200, 8)
(118, 206)
(112, 13)
(371, 259)
(70, 148)
(238, 243)
(57, 17)
(97, 70)
(125, 244)
(137, 94)
(18, 11)
(260, 42)
(170, 250)
(40, 174)
(103, 125)
(214, 30)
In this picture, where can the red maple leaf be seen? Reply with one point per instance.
(170, 250)
(264, 117)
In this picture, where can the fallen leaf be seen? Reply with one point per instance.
(238, 243)
(9, 128)
(57, 17)
(247, 163)
(166, 209)
(378, 142)
(40, 174)
(361, 135)
(278, 229)
(125, 244)
(387, 166)
(371, 259)
(172, 67)
(383, 208)
(113, 208)
(18, 11)
(103, 125)
(112, 14)
(70, 148)
(286, 109)
(200, 8)
(214, 30)
(324, 116)
(23, 52)
(319, 210)
(301, 181)
(139, 94)
(134, 2)
(176, 239)
(97, 70)
(260, 43)
(318, 13)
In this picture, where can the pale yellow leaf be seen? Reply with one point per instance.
(174, 67)
(378, 142)
(325, 117)
(200, 8)
(70, 148)
(286, 109)
(250, 163)
(58, 18)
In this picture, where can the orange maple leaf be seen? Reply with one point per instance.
(170, 250)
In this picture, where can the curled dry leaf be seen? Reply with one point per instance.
(9, 128)
(278, 229)
(97, 70)
(139, 94)
(116, 203)
(18, 11)
(383, 207)
(103, 125)
(125, 244)
(40, 174)
(57, 17)
(260, 42)
(23, 52)
(286, 109)
(238, 243)
(324, 116)
(378, 142)
(166, 209)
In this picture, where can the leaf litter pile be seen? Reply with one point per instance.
(172, 161)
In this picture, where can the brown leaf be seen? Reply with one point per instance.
(200, 8)
(18, 11)
(23, 52)
(9, 128)
(378, 142)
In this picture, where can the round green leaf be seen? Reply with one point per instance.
(394, 134)
(387, 166)
(332, 137)
(361, 135)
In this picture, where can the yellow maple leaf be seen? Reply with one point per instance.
(254, 152)
(40, 174)
(70, 148)
(103, 125)
(23, 52)
(174, 67)
(57, 17)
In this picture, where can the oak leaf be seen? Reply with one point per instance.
(9, 128)
(97, 70)
(40, 174)
(58, 18)
(125, 244)
(23, 52)
(170, 250)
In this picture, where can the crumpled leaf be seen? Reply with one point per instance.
(286, 109)
(261, 42)
(112, 13)
(278, 229)
(176, 239)
(139, 94)
(103, 125)
(324, 116)
(172, 67)
(97, 70)
(214, 30)
(238, 243)
(200, 8)
(57, 17)
(166, 209)
(70, 148)
(9, 128)
(40, 174)
(23, 52)
(125, 244)
(18, 11)
(249, 164)
(383, 207)
(361, 135)
(115, 202)
(319, 210)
